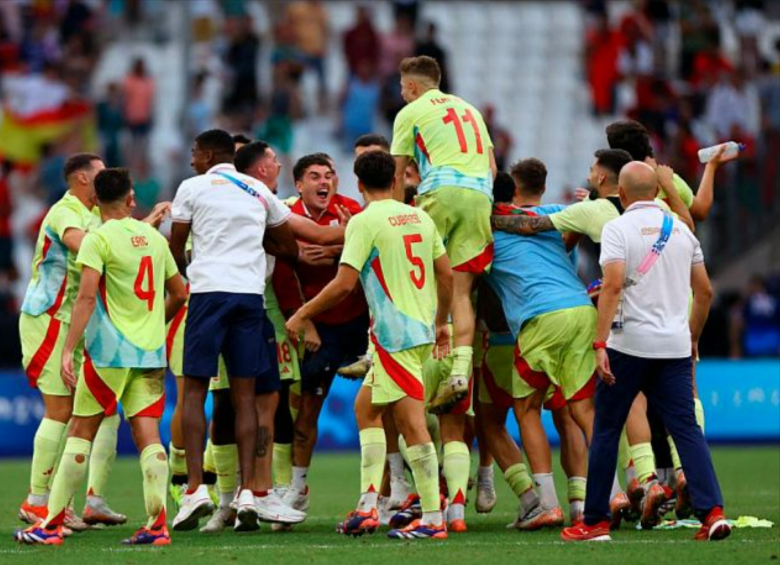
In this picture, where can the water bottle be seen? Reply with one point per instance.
(732, 148)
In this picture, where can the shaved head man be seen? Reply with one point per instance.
(637, 181)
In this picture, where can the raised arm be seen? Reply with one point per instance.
(705, 196)
(666, 180)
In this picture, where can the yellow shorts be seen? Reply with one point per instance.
(43, 338)
(394, 376)
(557, 348)
(462, 217)
(286, 352)
(101, 389)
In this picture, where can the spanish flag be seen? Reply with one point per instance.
(22, 137)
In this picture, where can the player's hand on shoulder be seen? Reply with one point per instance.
(665, 175)
(581, 194)
(160, 211)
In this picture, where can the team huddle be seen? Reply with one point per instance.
(452, 293)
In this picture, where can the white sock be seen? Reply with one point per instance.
(485, 474)
(529, 499)
(546, 486)
(299, 475)
(665, 475)
(630, 474)
(38, 499)
(396, 462)
(431, 518)
(615, 488)
(576, 509)
(456, 512)
(225, 498)
(368, 501)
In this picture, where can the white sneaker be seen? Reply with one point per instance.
(297, 499)
(193, 507)
(385, 511)
(486, 496)
(221, 519)
(246, 512)
(400, 489)
(271, 508)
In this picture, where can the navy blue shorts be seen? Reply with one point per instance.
(341, 345)
(231, 325)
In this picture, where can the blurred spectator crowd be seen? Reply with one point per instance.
(693, 72)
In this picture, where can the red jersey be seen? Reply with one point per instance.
(313, 279)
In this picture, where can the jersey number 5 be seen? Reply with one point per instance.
(145, 275)
(453, 118)
(417, 278)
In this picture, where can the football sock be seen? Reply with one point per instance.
(208, 459)
(485, 474)
(675, 456)
(177, 460)
(615, 487)
(73, 469)
(461, 363)
(154, 467)
(630, 473)
(644, 461)
(103, 456)
(373, 447)
(425, 469)
(576, 487)
(546, 485)
(457, 464)
(432, 423)
(624, 451)
(518, 479)
(456, 511)
(299, 475)
(226, 465)
(294, 413)
(368, 501)
(396, 462)
(282, 464)
(46, 447)
(698, 409)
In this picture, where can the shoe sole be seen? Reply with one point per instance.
(191, 521)
(279, 519)
(648, 522)
(104, 520)
(720, 530)
(246, 520)
(28, 517)
(605, 537)
(445, 402)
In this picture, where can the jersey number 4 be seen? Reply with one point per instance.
(418, 278)
(145, 276)
(453, 118)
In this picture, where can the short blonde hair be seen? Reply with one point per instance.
(424, 67)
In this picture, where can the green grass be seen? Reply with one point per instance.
(750, 478)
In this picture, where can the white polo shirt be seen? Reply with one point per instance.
(228, 225)
(654, 311)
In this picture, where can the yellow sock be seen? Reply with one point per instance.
(208, 458)
(425, 469)
(177, 460)
(282, 464)
(225, 466)
(373, 451)
(576, 488)
(70, 476)
(46, 448)
(457, 464)
(644, 461)
(461, 363)
(675, 456)
(154, 466)
(698, 408)
(103, 455)
(518, 479)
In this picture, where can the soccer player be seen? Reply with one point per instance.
(43, 326)
(227, 214)
(338, 334)
(127, 270)
(398, 256)
(371, 142)
(552, 318)
(447, 138)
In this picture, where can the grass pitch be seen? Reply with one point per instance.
(750, 478)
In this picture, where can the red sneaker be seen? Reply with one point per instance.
(583, 532)
(715, 527)
(656, 495)
(617, 507)
(32, 514)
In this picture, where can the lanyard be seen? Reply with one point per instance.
(655, 252)
(244, 186)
